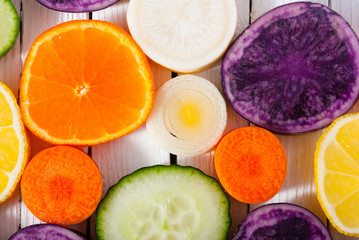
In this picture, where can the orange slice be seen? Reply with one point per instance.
(85, 82)
(14, 147)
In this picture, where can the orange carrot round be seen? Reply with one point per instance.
(251, 164)
(61, 185)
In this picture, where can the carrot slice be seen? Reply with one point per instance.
(251, 164)
(61, 185)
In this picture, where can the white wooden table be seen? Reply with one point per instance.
(120, 157)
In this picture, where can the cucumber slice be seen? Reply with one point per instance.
(164, 202)
(9, 26)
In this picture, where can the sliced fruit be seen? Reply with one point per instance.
(282, 221)
(164, 202)
(85, 82)
(251, 164)
(293, 70)
(184, 36)
(61, 185)
(9, 26)
(47, 232)
(189, 116)
(336, 168)
(76, 5)
(14, 146)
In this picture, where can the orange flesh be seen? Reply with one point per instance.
(86, 84)
(61, 185)
(251, 164)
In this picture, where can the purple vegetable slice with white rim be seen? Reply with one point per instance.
(46, 232)
(77, 5)
(293, 70)
(282, 221)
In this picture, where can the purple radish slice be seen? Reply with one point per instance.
(46, 232)
(282, 221)
(293, 70)
(77, 5)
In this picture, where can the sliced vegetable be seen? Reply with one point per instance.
(189, 116)
(337, 173)
(164, 203)
(251, 164)
(185, 35)
(85, 82)
(293, 70)
(46, 232)
(9, 26)
(61, 185)
(282, 221)
(77, 5)
(14, 143)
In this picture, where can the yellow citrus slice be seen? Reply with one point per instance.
(337, 173)
(14, 146)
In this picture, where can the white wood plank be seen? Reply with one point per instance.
(299, 185)
(349, 9)
(10, 69)
(37, 19)
(259, 7)
(135, 150)
(205, 162)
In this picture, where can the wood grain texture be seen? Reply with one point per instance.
(349, 10)
(10, 69)
(36, 19)
(259, 7)
(135, 150)
(298, 187)
(204, 162)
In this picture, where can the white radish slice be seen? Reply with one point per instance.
(183, 35)
(189, 116)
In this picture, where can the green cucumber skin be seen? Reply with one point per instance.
(11, 8)
(103, 206)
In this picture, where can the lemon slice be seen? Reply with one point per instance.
(337, 173)
(183, 35)
(189, 116)
(14, 146)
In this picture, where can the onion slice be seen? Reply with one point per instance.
(189, 116)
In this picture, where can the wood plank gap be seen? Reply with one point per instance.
(88, 227)
(173, 159)
(20, 38)
(250, 15)
(90, 15)
(21, 16)
(20, 200)
(330, 3)
(89, 151)
(174, 74)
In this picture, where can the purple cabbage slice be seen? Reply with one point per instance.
(293, 70)
(46, 232)
(77, 5)
(282, 221)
